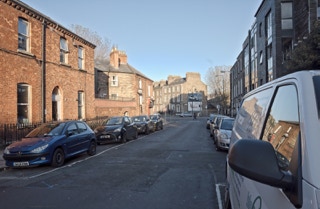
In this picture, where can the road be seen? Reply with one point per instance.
(177, 167)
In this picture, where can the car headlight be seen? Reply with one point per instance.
(6, 151)
(118, 129)
(224, 136)
(40, 149)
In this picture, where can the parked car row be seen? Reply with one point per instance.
(220, 130)
(54, 142)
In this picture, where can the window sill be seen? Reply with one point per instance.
(25, 53)
(83, 70)
(65, 64)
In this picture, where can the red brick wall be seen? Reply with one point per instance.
(115, 108)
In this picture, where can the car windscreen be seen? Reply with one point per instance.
(114, 121)
(138, 119)
(51, 129)
(316, 84)
(227, 124)
(153, 117)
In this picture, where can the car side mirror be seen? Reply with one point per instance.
(70, 133)
(256, 160)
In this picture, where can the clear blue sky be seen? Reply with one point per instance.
(162, 37)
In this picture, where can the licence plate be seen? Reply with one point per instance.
(105, 137)
(18, 164)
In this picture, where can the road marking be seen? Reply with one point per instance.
(219, 195)
(76, 162)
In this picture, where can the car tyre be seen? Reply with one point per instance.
(124, 138)
(217, 147)
(58, 158)
(135, 135)
(147, 131)
(92, 148)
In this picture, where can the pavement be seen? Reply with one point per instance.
(2, 161)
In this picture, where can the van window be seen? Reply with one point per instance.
(253, 110)
(282, 127)
(316, 83)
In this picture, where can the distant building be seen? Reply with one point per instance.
(47, 71)
(121, 89)
(180, 95)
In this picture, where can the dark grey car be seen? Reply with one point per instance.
(116, 129)
(143, 123)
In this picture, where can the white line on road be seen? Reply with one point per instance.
(79, 161)
(219, 195)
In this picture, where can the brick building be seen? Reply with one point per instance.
(47, 72)
(180, 95)
(120, 88)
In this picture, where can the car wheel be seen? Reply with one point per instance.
(147, 131)
(124, 138)
(135, 135)
(57, 158)
(217, 147)
(92, 149)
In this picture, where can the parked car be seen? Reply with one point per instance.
(157, 121)
(116, 129)
(143, 123)
(51, 143)
(213, 125)
(209, 120)
(274, 147)
(186, 114)
(223, 133)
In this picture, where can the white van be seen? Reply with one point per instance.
(274, 156)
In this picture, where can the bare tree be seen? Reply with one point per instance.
(102, 50)
(217, 79)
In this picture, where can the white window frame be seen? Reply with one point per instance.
(114, 80)
(23, 35)
(25, 103)
(64, 50)
(81, 105)
(140, 84)
(81, 57)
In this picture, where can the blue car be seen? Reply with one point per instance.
(51, 143)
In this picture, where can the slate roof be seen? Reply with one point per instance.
(123, 68)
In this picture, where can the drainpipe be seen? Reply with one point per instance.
(43, 72)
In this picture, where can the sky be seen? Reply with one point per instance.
(162, 37)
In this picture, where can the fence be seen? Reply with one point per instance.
(10, 133)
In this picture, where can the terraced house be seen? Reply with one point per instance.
(47, 72)
(121, 89)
